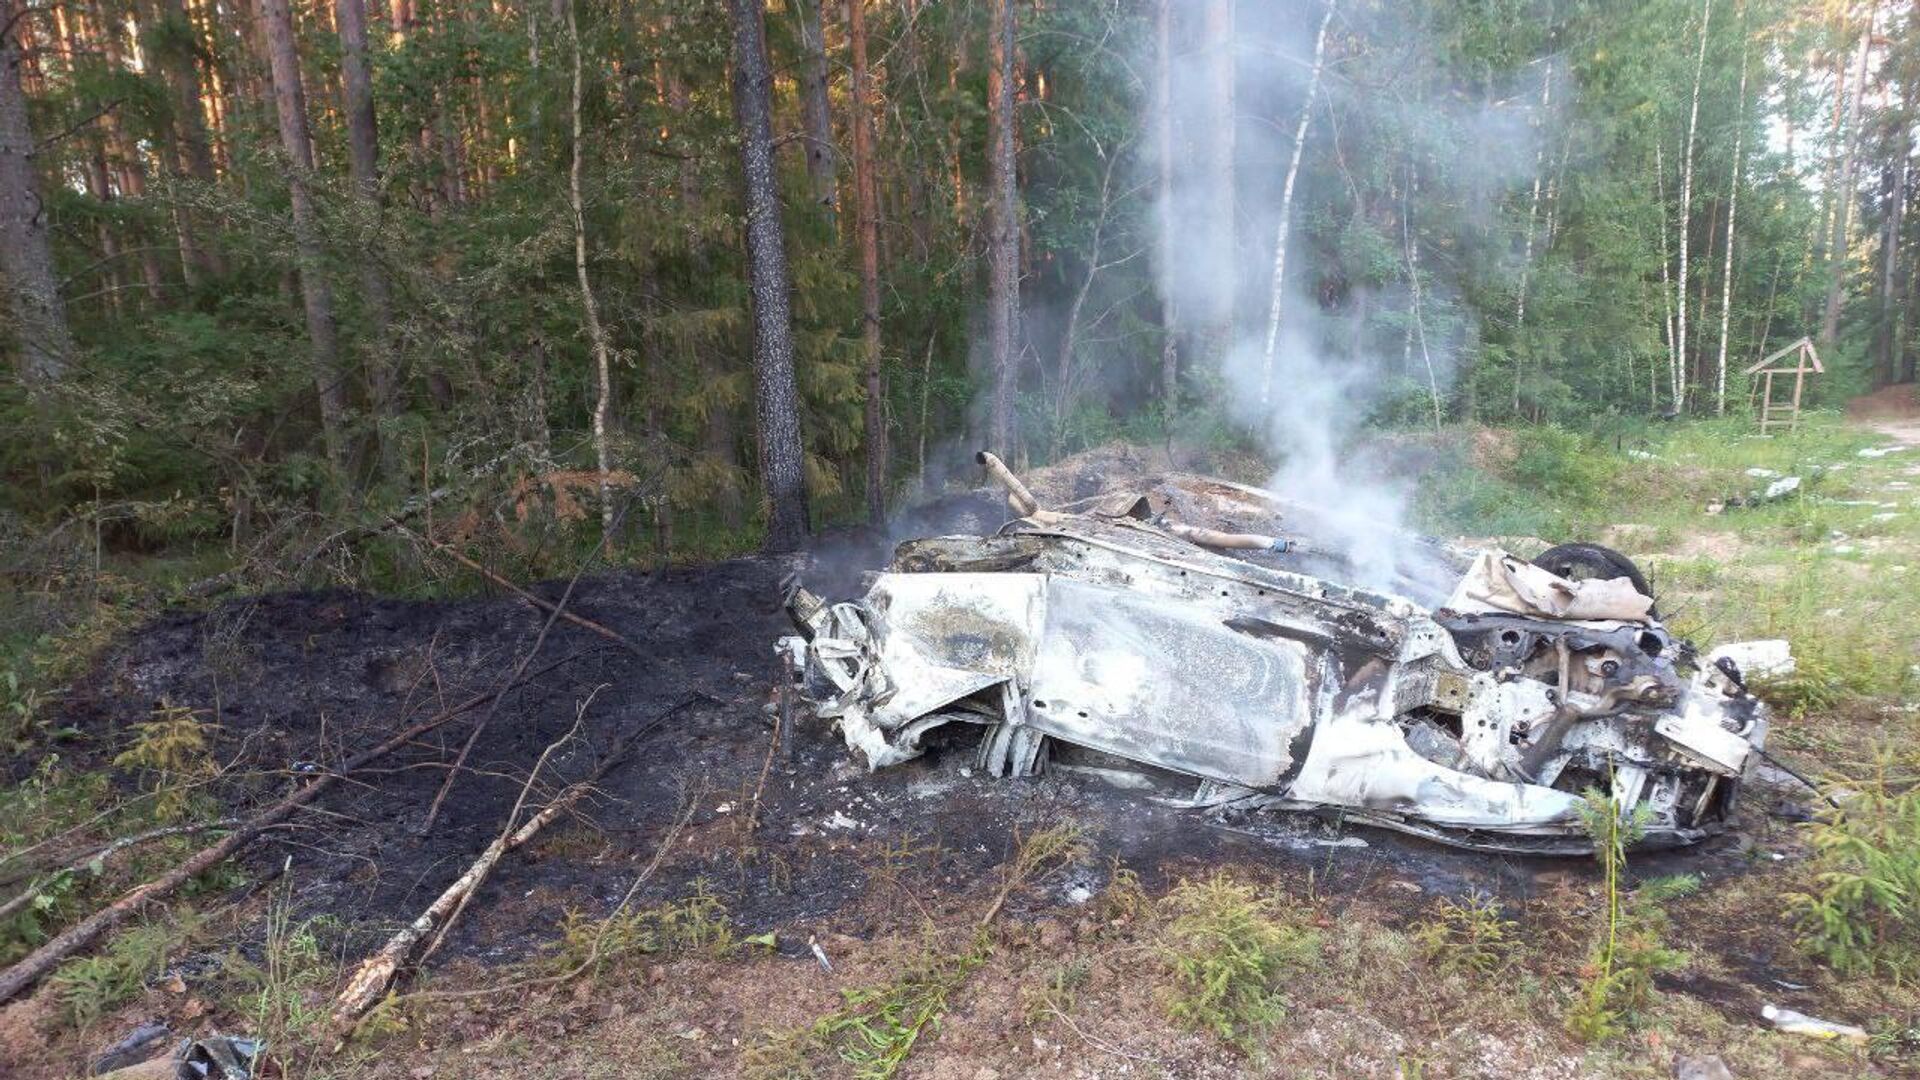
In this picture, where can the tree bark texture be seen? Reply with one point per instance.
(867, 195)
(1003, 239)
(1686, 217)
(289, 96)
(41, 337)
(776, 396)
(590, 307)
(816, 116)
(1169, 238)
(1215, 324)
(363, 165)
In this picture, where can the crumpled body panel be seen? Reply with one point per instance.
(1111, 637)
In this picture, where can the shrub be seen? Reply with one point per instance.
(1859, 918)
(1227, 953)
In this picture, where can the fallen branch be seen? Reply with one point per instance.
(35, 965)
(377, 972)
(554, 613)
(545, 605)
(102, 854)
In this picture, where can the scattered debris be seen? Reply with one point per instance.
(820, 954)
(1798, 1023)
(1705, 1067)
(1882, 451)
(138, 1045)
(1202, 634)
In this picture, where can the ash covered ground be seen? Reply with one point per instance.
(301, 681)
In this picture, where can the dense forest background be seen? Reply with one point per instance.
(742, 270)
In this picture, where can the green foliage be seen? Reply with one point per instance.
(88, 987)
(696, 923)
(1861, 915)
(1228, 952)
(1469, 936)
(1629, 948)
(172, 751)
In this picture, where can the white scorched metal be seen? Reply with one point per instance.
(1103, 640)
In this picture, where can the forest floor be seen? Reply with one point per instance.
(793, 915)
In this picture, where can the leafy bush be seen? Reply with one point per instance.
(1227, 952)
(1860, 916)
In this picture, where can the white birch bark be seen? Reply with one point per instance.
(596, 334)
(1686, 217)
(1726, 271)
(1286, 209)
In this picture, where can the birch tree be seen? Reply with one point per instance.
(1686, 217)
(589, 305)
(1276, 303)
(363, 169)
(1733, 218)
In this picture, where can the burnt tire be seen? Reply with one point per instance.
(1587, 562)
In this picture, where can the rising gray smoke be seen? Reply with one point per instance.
(1328, 376)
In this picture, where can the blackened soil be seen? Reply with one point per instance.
(302, 681)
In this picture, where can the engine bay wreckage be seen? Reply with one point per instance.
(1193, 638)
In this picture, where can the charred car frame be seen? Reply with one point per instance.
(1156, 639)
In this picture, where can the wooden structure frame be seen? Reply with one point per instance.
(1805, 362)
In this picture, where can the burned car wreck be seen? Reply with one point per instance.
(1193, 638)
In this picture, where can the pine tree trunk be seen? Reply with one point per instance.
(1686, 217)
(1843, 195)
(1003, 240)
(363, 163)
(289, 98)
(1169, 235)
(1733, 210)
(1276, 304)
(189, 121)
(39, 320)
(1887, 362)
(816, 116)
(782, 464)
(866, 192)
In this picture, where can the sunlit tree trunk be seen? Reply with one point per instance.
(289, 98)
(1003, 240)
(39, 329)
(782, 462)
(1533, 217)
(1276, 305)
(1686, 217)
(867, 195)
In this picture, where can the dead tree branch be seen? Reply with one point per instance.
(35, 966)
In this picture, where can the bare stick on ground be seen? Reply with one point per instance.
(35, 965)
(545, 605)
(377, 972)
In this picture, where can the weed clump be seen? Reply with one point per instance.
(1860, 916)
(1470, 936)
(1228, 951)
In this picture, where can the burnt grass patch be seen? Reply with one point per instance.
(300, 681)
